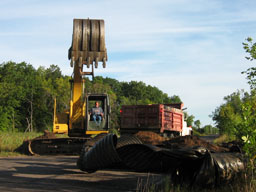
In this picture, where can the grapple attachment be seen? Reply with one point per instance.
(88, 43)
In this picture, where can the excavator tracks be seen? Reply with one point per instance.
(61, 146)
(58, 146)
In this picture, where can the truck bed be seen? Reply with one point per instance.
(158, 118)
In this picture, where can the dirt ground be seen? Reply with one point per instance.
(59, 173)
(152, 138)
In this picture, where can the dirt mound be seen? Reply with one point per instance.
(24, 147)
(47, 135)
(190, 141)
(152, 138)
(233, 146)
(148, 137)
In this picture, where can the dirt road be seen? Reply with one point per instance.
(59, 173)
(209, 138)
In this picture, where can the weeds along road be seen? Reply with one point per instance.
(59, 173)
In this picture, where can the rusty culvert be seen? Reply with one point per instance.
(186, 165)
(103, 154)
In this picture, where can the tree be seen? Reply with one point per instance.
(250, 48)
(237, 115)
(27, 95)
(228, 115)
(189, 119)
(246, 129)
(173, 99)
(209, 129)
(197, 124)
(16, 91)
(53, 85)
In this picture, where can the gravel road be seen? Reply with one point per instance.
(209, 138)
(59, 173)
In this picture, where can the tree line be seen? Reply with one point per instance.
(237, 116)
(27, 95)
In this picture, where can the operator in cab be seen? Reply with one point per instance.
(97, 113)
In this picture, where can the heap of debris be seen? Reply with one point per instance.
(47, 135)
(151, 138)
(24, 148)
(148, 137)
(189, 164)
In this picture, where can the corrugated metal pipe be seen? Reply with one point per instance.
(188, 165)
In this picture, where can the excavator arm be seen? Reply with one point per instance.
(87, 49)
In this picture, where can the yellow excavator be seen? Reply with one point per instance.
(87, 49)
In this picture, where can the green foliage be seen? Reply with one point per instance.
(196, 132)
(242, 183)
(224, 138)
(246, 129)
(27, 95)
(9, 141)
(228, 115)
(250, 48)
(209, 130)
(189, 119)
(4, 119)
(237, 116)
(197, 123)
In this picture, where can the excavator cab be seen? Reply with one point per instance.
(93, 125)
(88, 126)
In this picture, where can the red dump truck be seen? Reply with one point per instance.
(166, 119)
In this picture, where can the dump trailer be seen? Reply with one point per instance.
(87, 49)
(165, 119)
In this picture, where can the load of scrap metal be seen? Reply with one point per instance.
(187, 165)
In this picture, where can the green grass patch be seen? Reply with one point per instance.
(246, 182)
(197, 133)
(9, 141)
(224, 139)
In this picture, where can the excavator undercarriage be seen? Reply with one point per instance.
(45, 145)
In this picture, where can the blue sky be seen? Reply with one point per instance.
(190, 48)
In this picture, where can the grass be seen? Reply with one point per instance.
(9, 141)
(224, 139)
(244, 183)
(197, 133)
